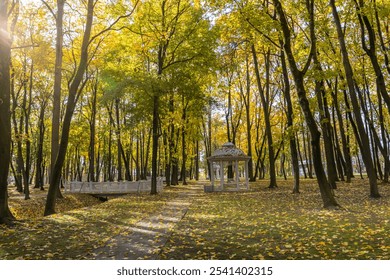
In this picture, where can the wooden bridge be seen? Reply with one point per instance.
(108, 188)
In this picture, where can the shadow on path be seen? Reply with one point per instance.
(148, 236)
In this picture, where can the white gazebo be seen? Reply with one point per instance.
(220, 160)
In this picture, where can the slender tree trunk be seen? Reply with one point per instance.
(14, 95)
(345, 144)
(99, 165)
(326, 193)
(300, 156)
(207, 133)
(72, 99)
(259, 150)
(290, 128)
(137, 158)
(92, 134)
(55, 126)
(340, 162)
(309, 159)
(147, 151)
(119, 143)
(374, 137)
(155, 121)
(27, 114)
(167, 156)
(127, 160)
(175, 160)
(39, 174)
(19, 151)
(265, 103)
(155, 138)
(360, 166)
(384, 141)
(324, 119)
(197, 160)
(229, 122)
(109, 176)
(247, 102)
(183, 174)
(365, 150)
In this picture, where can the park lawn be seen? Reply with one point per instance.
(275, 224)
(77, 233)
(256, 224)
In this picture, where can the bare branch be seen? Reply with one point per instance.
(180, 61)
(25, 46)
(111, 26)
(50, 9)
(13, 5)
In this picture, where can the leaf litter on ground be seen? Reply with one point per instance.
(256, 224)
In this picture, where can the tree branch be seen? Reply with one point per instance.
(50, 9)
(110, 27)
(25, 46)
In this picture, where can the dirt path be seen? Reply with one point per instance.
(148, 236)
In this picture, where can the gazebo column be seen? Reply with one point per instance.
(212, 174)
(237, 176)
(246, 174)
(222, 174)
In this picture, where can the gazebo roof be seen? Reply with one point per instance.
(228, 152)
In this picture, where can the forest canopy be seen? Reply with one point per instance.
(114, 90)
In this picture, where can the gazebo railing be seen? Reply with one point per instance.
(112, 187)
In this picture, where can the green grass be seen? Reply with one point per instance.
(259, 224)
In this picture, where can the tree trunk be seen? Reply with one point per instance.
(247, 101)
(109, 175)
(55, 126)
(346, 151)
(92, 133)
(290, 128)
(175, 172)
(155, 137)
(197, 160)
(72, 99)
(300, 156)
(371, 49)
(147, 151)
(39, 174)
(119, 143)
(5, 118)
(183, 174)
(27, 113)
(17, 127)
(384, 141)
(365, 149)
(324, 114)
(326, 193)
(374, 137)
(207, 133)
(382, 43)
(340, 162)
(266, 111)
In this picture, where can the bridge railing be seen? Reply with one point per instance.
(112, 187)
